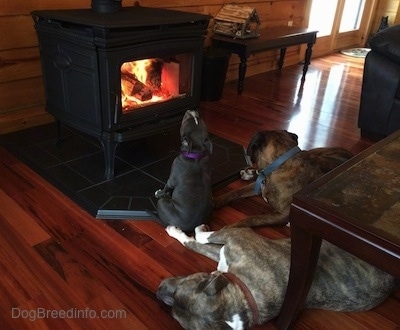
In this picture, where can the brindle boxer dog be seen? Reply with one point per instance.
(186, 200)
(298, 169)
(249, 285)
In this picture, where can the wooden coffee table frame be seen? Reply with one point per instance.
(311, 221)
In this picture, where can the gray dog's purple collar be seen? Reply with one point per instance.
(194, 155)
(273, 166)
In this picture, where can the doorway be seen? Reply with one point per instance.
(341, 23)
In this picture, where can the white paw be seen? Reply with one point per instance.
(202, 233)
(248, 173)
(178, 234)
(201, 228)
(174, 231)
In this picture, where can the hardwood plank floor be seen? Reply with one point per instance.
(55, 258)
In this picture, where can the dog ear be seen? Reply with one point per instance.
(166, 291)
(256, 145)
(214, 284)
(293, 136)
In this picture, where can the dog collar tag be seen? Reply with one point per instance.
(273, 166)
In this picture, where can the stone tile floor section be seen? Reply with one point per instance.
(76, 167)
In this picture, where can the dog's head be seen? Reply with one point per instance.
(198, 301)
(266, 146)
(194, 133)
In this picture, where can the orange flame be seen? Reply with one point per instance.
(137, 68)
(137, 87)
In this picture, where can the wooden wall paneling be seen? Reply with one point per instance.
(321, 44)
(17, 32)
(346, 39)
(194, 3)
(281, 11)
(8, 8)
(21, 82)
(19, 63)
(264, 61)
(271, 13)
(21, 94)
(385, 8)
(254, 62)
(397, 18)
(393, 11)
(18, 119)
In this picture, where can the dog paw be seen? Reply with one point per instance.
(173, 231)
(202, 233)
(178, 234)
(201, 228)
(249, 173)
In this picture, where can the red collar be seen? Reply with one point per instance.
(247, 293)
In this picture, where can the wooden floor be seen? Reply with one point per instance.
(55, 258)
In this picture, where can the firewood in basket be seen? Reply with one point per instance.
(134, 87)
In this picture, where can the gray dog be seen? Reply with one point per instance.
(186, 200)
(249, 286)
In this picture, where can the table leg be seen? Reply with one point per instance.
(307, 59)
(304, 256)
(242, 73)
(281, 58)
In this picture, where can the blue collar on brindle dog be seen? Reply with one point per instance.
(273, 166)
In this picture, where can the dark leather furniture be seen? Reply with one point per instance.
(379, 113)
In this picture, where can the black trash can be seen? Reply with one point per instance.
(215, 65)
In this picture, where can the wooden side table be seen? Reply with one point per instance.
(271, 38)
(357, 208)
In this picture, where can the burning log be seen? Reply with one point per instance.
(134, 87)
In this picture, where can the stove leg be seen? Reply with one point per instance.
(109, 148)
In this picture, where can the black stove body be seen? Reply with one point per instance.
(83, 52)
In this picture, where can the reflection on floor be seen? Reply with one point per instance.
(76, 167)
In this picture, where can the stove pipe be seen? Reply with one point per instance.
(106, 6)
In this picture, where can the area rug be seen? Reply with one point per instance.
(76, 167)
(356, 52)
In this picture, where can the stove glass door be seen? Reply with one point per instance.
(155, 80)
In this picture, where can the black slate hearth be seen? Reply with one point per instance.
(76, 167)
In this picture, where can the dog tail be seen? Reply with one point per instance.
(329, 158)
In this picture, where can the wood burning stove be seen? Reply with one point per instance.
(120, 73)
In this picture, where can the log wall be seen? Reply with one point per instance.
(21, 87)
(386, 8)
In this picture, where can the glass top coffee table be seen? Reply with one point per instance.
(356, 207)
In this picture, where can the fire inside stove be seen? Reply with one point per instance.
(155, 80)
